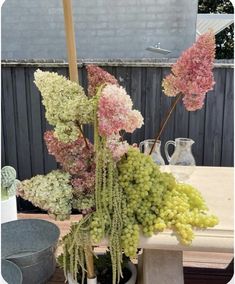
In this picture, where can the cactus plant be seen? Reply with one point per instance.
(9, 183)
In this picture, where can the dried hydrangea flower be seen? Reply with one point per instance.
(66, 132)
(117, 147)
(51, 192)
(64, 100)
(115, 112)
(97, 77)
(192, 74)
(75, 158)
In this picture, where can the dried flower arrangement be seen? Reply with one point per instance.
(107, 180)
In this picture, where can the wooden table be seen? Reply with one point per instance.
(162, 258)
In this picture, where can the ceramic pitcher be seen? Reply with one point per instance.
(182, 162)
(146, 146)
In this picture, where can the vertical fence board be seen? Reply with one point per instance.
(8, 119)
(83, 79)
(152, 105)
(181, 120)
(143, 99)
(22, 129)
(49, 160)
(214, 120)
(35, 127)
(196, 133)
(227, 152)
(3, 151)
(123, 76)
(138, 134)
(168, 132)
(80, 75)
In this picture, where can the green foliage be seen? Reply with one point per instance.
(215, 6)
(51, 192)
(225, 39)
(9, 183)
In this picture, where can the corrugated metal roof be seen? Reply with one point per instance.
(216, 22)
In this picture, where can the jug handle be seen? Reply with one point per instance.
(141, 146)
(168, 143)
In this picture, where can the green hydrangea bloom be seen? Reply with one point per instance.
(84, 202)
(63, 99)
(66, 132)
(51, 192)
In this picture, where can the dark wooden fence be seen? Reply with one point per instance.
(23, 120)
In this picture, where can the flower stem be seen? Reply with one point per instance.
(163, 124)
(83, 135)
(122, 133)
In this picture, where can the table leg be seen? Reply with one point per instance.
(160, 267)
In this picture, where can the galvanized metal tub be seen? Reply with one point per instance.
(30, 244)
(10, 273)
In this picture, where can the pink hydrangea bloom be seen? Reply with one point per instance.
(134, 120)
(83, 185)
(193, 102)
(75, 158)
(117, 147)
(170, 86)
(115, 112)
(192, 73)
(96, 77)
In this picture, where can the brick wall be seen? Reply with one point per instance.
(104, 28)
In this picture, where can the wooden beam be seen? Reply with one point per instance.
(70, 41)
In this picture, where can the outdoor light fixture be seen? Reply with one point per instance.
(156, 48)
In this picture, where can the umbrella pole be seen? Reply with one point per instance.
(70, 40)
(73, 75)
(71, 49)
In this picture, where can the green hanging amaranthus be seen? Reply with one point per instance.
(75, 245)
(108, 200)
(106, 221)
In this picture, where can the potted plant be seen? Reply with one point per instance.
(103, 270)
(121, 192)
(9, 184)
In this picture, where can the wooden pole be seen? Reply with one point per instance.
(71, 49)
(70, 41)
(89, 263)
(73, 75)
